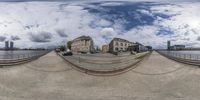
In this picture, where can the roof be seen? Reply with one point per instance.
(120, 39)
(83, 38)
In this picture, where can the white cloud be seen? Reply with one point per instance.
(19, 19)
(184, 25)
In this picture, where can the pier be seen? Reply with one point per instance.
(50, 77)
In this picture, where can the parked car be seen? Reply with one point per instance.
(67, 54)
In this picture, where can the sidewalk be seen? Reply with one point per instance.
(54, 79)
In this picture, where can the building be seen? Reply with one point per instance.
(149, 48)
(11, 45)
(140, 48)
(105, 48)
(6, 45)
(82, 44)
(177, 47)
(119, 45)
(168, 45)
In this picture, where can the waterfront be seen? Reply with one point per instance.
(191, 55)
(15, 54)
(50, 78)
(185, 52)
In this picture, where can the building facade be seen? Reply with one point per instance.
(105, 48)
(177, 47)
(140, 48)
(11, 45)
(82, 44)
(119, 45)
(168, 45)
(6, 45)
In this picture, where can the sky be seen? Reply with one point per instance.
(49, 24)
(93, 0)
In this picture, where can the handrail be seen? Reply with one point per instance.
(26, 58)
(191, 59)
(181, 55)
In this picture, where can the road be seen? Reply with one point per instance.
(52, 78)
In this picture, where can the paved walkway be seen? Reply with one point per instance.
(51, 78)
(109, 63)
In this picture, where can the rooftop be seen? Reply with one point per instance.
(83, 38)
(122, 40)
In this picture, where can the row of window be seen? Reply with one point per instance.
(122, 44)
(81, 43)
(117, 49)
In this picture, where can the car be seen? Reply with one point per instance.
(67, 54)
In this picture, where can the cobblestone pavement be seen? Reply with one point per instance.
(52, 78)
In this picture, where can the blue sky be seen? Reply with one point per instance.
(48, 24)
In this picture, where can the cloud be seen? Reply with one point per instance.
(198, 38)
(151, 23)
(95, 0)
(61, 33)
(14, 38)
(2, 38)
(40, 37)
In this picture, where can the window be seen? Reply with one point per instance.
(116, 49)
(116, 43)
(121, 44)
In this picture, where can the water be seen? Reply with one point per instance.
(193, 55)
(19, 54)
(185, 52)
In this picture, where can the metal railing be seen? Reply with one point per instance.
(12, 59)
(186, 56)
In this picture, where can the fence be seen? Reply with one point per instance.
(192, 59)
(13, 59)
(181, 55)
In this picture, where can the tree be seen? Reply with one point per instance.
(62, 48)
(69, 44)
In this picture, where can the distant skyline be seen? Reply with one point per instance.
(48, 24)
